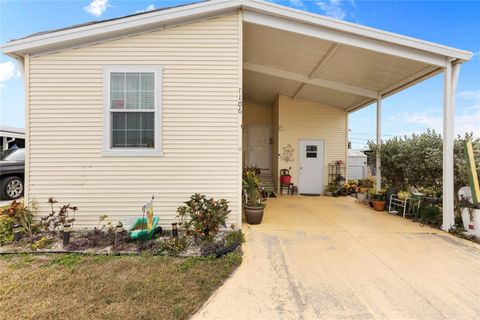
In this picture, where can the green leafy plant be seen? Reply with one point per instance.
(379, 196)
(55, 221)
(174, 245)
(6, 231)
(416, 161)
(233, 237)
(16, 213)
(331, 187)
(251, 189)
(203, 217)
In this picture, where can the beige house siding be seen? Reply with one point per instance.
(201, 124)
(301, 119)
(254, 113)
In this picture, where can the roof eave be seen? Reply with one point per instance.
(178, 15)
(119, 27)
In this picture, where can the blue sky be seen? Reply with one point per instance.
(452, 23)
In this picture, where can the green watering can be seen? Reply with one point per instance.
(138, 230)
(142, 234)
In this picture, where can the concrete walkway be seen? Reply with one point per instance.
(332, 258)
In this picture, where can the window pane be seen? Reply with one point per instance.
(133, 81)
(117, 81)
(133, 129)
(118, 100)
(148, 139)
(147, 100)
(148, 119)
(133, 100)
(133, 120)
(148, 81)
(118, 120)
(133, 139)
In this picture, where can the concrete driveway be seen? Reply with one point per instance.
(333, 258)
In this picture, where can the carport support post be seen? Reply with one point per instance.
(378, 173)
(450, 78)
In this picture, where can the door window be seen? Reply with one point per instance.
(311, 151)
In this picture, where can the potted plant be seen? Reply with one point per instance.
(371, 194)
(252, 205)
(344, 190)
(331, 187)
(362, 194)
(379, 201)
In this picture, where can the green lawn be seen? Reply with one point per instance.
(108, 287)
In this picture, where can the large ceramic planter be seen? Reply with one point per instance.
(254, 215)
(328, 193)
(362, 197)
(378, 205)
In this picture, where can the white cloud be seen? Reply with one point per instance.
(97, 7)
(469, 95)
(296, 3)
(467, 122)
(332, 8)
(148, 8)
(7, 71)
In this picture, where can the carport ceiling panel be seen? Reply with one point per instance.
(367, 69)
(283, 50)
(329, 97)
(265, 88)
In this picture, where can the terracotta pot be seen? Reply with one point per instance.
(379, 205)
(254, 215)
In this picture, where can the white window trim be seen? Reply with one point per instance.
(132, 152)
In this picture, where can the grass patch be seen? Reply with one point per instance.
(108, 287)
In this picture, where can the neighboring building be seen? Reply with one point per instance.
(11, 138)
(356, 165)
(176, 101)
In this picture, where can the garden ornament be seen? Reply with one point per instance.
(143, 228)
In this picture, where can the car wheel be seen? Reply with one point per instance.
(12, 188)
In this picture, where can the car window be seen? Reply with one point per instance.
(13, 155)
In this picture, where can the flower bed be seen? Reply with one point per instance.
(199, 233)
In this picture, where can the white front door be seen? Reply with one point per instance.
(311, 155)
(259, 149)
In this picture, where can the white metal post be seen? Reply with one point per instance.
(378, 173)
(450, 78)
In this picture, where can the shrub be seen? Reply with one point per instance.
(233, 237)
(174, 245)
(203, 217)
(416, 161)
(6, 231)
(16, 213)
(55, 221)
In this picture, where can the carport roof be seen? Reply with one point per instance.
(286, 51)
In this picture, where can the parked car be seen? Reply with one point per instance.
(12, 173)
